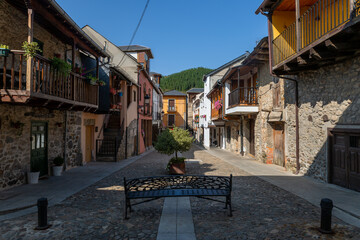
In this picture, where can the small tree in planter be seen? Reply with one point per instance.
(58, 166)
(174, 141)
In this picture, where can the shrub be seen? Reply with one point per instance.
(58, 161)
(174, 141)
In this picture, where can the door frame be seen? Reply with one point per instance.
(46, 142)
(330, 141)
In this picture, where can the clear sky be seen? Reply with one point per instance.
(182, 34)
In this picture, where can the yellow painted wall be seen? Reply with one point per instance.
(180, 104)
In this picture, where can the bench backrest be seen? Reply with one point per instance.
(178, 182)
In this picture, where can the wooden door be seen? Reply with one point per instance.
(171, 120)
(39, 158)
(279, 154)
(345, 160)
(89, 142)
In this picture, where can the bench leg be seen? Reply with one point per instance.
(228, 200)
(125, 208)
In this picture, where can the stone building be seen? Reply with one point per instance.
(321, 74)
(41, 103)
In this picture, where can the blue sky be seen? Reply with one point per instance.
(182, 34)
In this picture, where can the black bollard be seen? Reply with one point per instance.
(326, 212)
(42, 204)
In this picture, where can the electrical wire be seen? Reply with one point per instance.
(136, 29)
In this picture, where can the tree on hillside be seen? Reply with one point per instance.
(185, 80)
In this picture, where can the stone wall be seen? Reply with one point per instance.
(328, 97)
(131, 138)
(234, 144)
(73, 140)
(14, 23)
(15, 143)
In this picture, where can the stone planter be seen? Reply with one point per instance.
(33, 177)
(57, 170)
(177, 168)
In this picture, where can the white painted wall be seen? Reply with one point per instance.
(207, 112)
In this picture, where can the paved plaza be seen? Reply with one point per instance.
(261, 210)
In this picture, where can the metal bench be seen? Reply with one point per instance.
(177, 186)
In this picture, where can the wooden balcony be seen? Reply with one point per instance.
(216, 114)
(318, 37)
(243, 100)
(41, 85)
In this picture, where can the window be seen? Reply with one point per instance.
(171, 104)
(171, 120)
(134, 93)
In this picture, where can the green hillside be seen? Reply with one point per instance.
(184, 80)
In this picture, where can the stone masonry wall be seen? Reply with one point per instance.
(234, 144)
(73, 140)
(15, 144)
(328, 97)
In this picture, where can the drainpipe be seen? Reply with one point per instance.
(242, 135)
(296, 120)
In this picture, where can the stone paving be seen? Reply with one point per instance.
(262, 210)
(97, 211)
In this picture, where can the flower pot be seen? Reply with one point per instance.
(4, 52)
(57, 170)
(177, 168)
(33, 177)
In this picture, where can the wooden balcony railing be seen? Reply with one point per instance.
(243, 95)
(320, 19)
(46, 82)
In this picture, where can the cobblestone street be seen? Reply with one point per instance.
(261, 210)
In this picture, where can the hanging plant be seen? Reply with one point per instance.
(62, 66)
(93, 79)
(218, 104)
(18, 126)
(31, 49)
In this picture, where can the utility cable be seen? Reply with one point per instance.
(136, 29)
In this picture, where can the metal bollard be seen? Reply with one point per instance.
(42, 204)
(326, 212)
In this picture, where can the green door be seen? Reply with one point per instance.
(39, 147)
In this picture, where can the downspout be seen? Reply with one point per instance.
(242, 135)
(269, 16)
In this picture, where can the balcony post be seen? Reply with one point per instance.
(298, 26)
(29, 63)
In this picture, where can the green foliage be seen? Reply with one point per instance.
(31, 49)
(185, 80)
(58, 161)
(62, 66)
(174, 141)
(4, 46)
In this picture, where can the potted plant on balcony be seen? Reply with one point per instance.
(4, 50)
(31, 49)
(174, 142)
(33, 174)
(58, 166)
(218, 104)
(101, 83)
(61, 66)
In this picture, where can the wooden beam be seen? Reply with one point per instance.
(301, 61)
(298, 26)
(62, 28)
(314, 54)
(29, 63)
